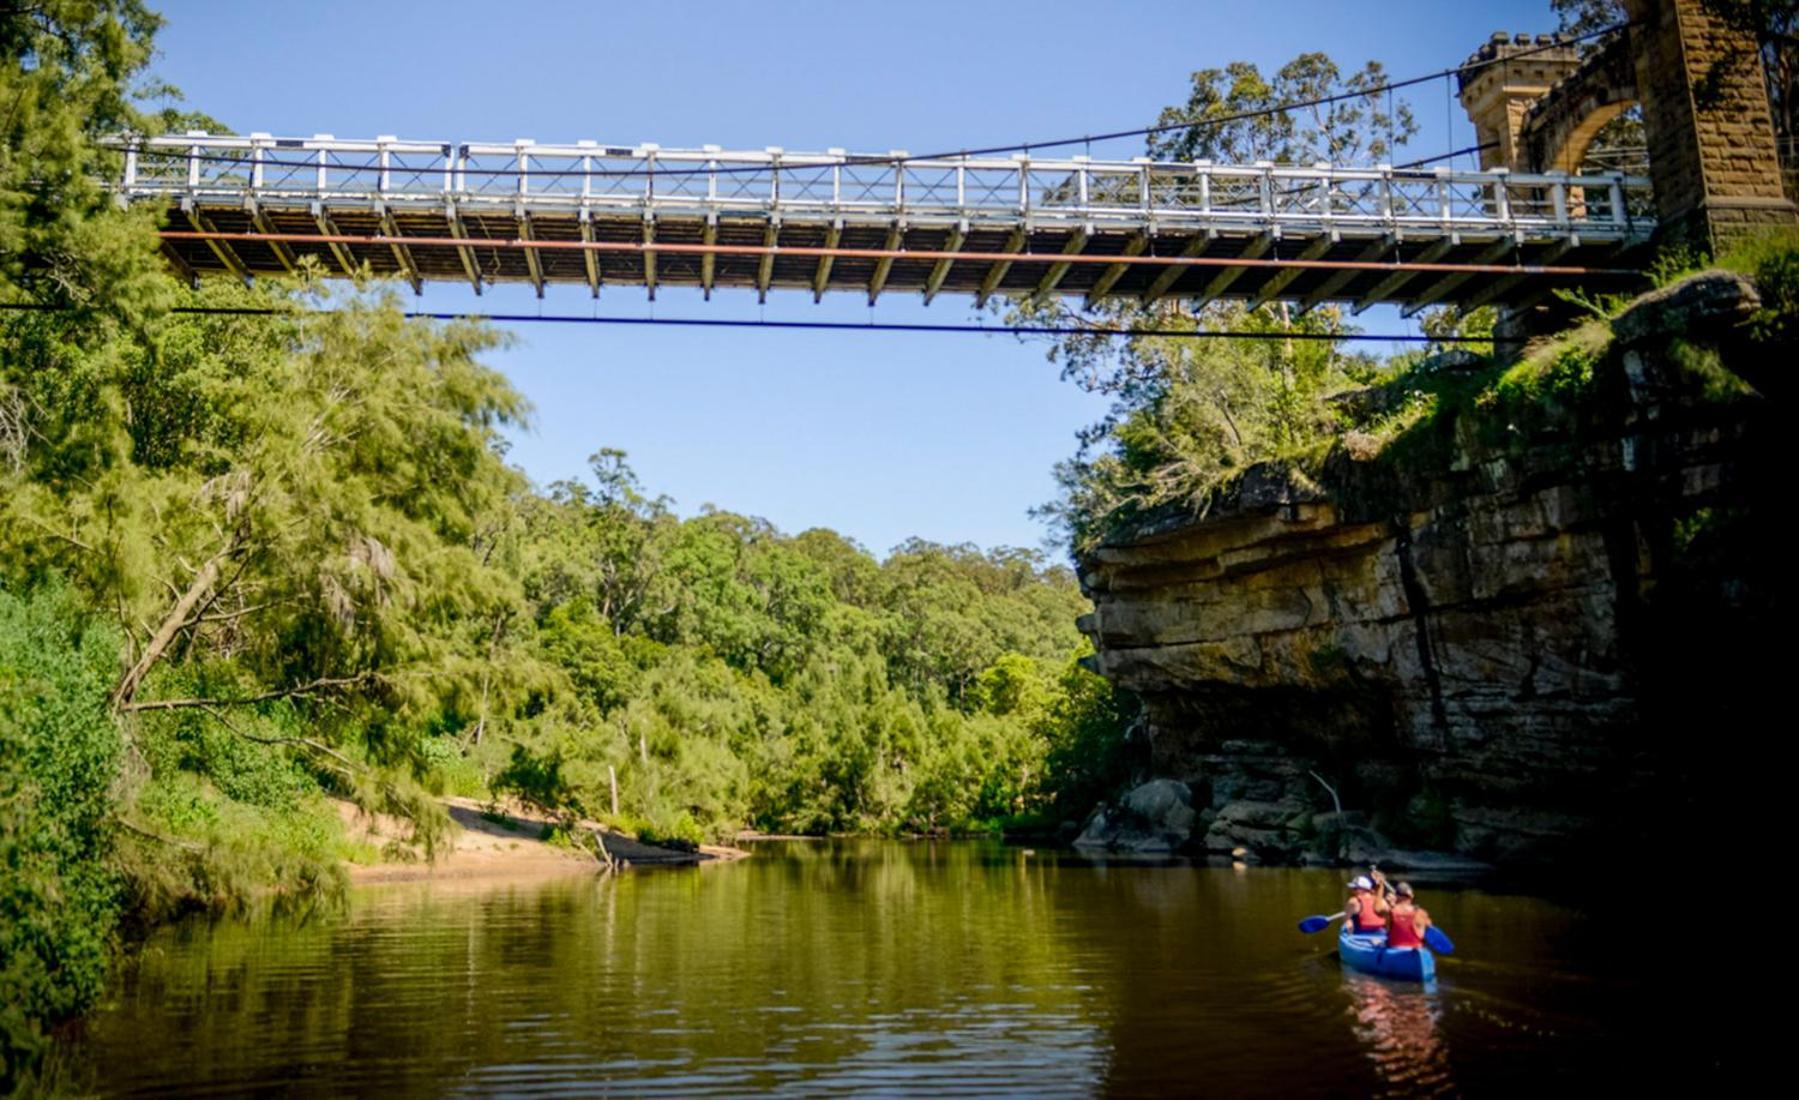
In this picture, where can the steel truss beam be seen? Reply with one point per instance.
(1334, 284)
(999, 269)
(1386, 289)
(940, 270)
(1110, 276)
(402, 254)
(226, 254)
(1447, 285)
(884, 266)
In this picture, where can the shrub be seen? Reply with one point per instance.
(59, 756)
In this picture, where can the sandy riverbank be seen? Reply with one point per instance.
(502, 842)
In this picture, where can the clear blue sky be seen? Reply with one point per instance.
(880, 437)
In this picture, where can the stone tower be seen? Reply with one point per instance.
(1500, 83)
(1711, 135)
(1537, 103)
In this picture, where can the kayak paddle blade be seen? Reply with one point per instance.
(1314, 924)
(1438, 942)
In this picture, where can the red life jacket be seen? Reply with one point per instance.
(1367, 920)
(1404, 932)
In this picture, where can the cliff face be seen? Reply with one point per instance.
(1513, 642)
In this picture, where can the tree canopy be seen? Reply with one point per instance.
(251, 560)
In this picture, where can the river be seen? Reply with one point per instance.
(874, 967)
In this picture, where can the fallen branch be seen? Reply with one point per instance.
(150, 834)
(350, 766)
(172, 624)
(1338, 803)
(299, 691)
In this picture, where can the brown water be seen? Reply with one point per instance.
(880, 968)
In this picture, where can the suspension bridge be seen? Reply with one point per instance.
(1533, 218)
(609, 216)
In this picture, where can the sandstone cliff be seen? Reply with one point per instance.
(1517, 631)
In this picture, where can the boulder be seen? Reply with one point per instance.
(1262, 827)
(1698, 306)
(1153, 819)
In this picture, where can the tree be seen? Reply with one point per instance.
(59, 753)
(66, 70)
(1188, 414)
(1367, 126)
(297, 499)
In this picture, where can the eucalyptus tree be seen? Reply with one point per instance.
(1187, 414)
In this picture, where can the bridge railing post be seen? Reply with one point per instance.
(1558, 193)
(322, 179)
(774, 177)
(1502, 195)
(1142, 183)
(1265, 184)
(1385, 188)
(193, 163)
(1024, 184)
(1204, 170)
(522, 159)
(130, 177)
(1620, 213)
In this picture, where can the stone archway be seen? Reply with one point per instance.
(1559, 128)
(1537, 106)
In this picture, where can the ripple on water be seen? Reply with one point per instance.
(945, 970)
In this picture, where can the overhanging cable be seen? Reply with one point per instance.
(871, 159)
(825, 326)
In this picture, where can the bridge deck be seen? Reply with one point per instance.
(650, 217)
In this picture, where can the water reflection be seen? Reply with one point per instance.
(1399, 1026)
(864, 967)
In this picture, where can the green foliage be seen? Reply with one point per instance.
(1190, 415)
(1084, 726)
(1365, 127)
(197, 848)
(59, 757)
(314, 576)
(535, 779)
(726, 673)
(1772, 261)
(66, 69)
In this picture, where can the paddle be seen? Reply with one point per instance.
(1317, 924)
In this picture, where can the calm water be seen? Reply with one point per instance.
(877, 967)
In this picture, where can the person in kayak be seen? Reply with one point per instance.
(1406, 919)
(1366, 909)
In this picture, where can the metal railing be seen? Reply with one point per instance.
(590, 179)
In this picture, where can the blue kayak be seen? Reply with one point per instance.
(1369, 953)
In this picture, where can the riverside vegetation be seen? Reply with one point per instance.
(250, 562)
